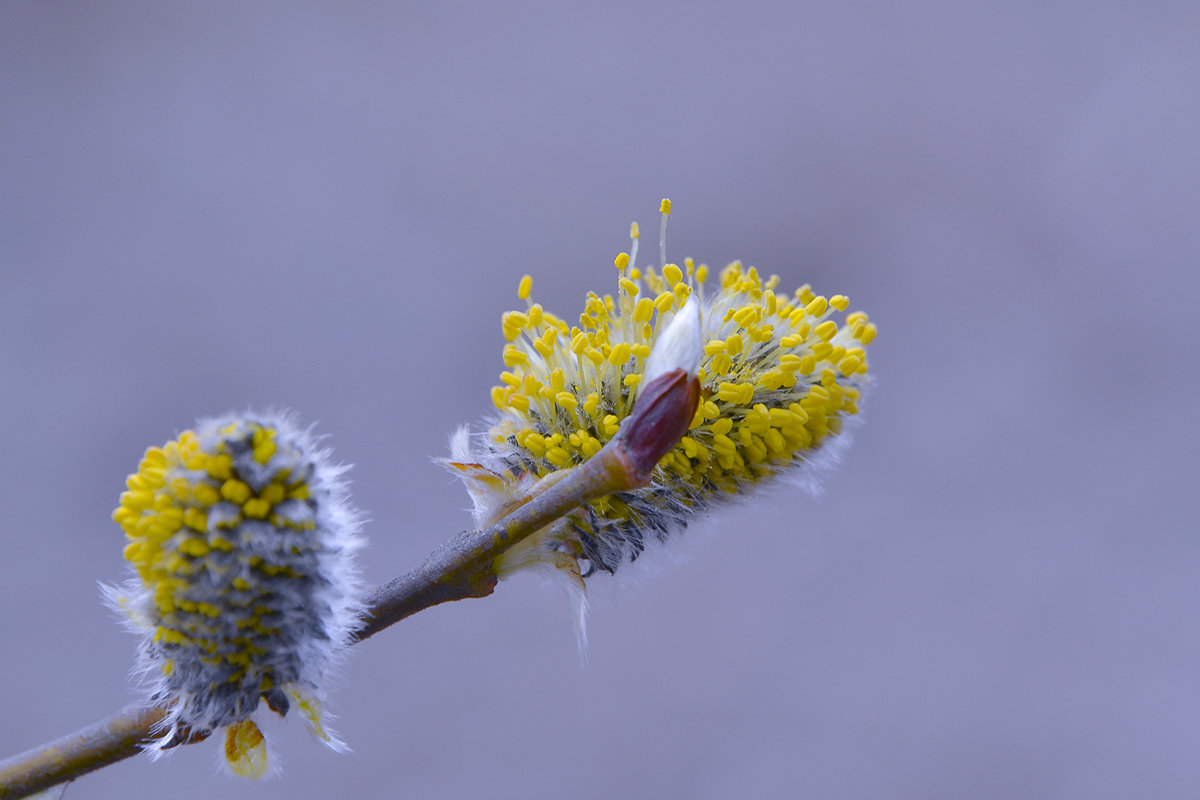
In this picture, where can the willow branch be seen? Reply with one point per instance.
(463, 567)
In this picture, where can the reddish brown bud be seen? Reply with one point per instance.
(661, 415)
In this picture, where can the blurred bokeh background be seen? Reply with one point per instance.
(214, 206)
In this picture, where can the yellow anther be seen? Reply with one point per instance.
(147, 478)
(154, 457)
(524, 287)
(137, 500)
(665, 206)
(868, 334)
(566, 400)
(644, 310)
(772, 379)
(590, 447)
(620, 354)
(171, 518)
(196, 548)
(133, 551)
(779, 417)
(664, 302)
(611, 425)
(235, 491)
(514, 356)
(729, 392)
(734, 344)
(714, 347)
(723, 444)
(839, 301)
(849, 365)
(798, 411)
(558, 456)
(531, 385)
(536, 316)
(621, 261)
(206, 494)
(535, 445)
(634, 232)
(631, 380)
(629, 286)
(789, 362)
(816, 307)
(672, 274)
(721, 363)
(195, 519)
(196, 460)
(220, 466)
(256, 508)
(746, 316)
(263, 452)
(826, 330)
(512, 323)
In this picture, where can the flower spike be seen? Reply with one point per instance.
(242, 538)
(777, 380)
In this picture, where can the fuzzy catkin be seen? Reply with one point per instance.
(780, 378)
(242, 538)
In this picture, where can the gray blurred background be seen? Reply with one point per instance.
(210, 206)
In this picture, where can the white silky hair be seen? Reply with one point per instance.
(679, 346)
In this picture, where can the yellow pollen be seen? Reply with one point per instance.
(235, 491)
(778, 375)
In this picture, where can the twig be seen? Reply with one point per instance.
(461, 568)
